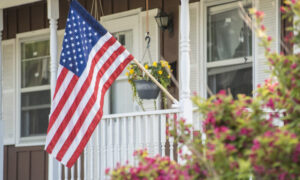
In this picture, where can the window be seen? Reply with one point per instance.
(229, 50)
(120, 91)
(35, 88)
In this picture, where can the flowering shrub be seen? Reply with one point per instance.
(149, 168)
(242, 137)
(159, 70)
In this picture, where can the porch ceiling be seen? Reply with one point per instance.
(11, 3)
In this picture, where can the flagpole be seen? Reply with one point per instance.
(155, 81)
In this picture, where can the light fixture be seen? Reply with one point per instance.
(164, 21)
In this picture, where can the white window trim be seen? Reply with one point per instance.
(43, 34)
(9, 141)
(204, 5)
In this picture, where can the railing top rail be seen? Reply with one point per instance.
(145, 113)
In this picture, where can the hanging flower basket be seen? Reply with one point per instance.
(146, 89)
(142, 86)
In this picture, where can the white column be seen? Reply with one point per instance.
(1, 120)
(186, 111)
(53, 15)
(184, 63)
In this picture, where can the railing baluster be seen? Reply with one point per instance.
(155, 130)
(98, 153)
(66, 173)
(85, 162)
(91, 160)
(163, 134)
(103, 148)
(59, 171)
(79, 168)
(147, 132)
(111, 145)
(73, 173)
(124, 140)
(140, 132)
(131, 144)
(117, 140)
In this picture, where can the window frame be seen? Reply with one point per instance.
(37, 35)
(204, 64)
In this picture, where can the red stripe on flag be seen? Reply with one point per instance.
(60, 79)
(90, 103)
(62, 101)
(72, 84)
(81, 94)
(98, 116)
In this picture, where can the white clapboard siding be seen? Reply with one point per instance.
(9, 90)
(154, 47)
(272, 23)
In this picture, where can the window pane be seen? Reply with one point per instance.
(121, 97)
(35, 112)
(238, 81)
(228, 35)
(35, 49)
(36, 98)
(34, 122)
(35, 72)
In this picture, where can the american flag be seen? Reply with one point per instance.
(90, 61)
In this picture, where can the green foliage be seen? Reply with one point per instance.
(242, 136)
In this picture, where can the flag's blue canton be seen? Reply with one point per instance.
(81, 34)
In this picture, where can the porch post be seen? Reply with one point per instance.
(53, 15)
(186, 107)
(184, 63)
(1, 120)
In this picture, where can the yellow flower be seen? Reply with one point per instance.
(127, 74)
(145, 154)
(154, 64)
(131, 71)
(160, 72)
(146, 66)
(164, 63)
(169, 66)
(169, 76)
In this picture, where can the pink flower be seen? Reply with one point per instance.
(245, 131)
(230, 147)
(270, 104)
(219, 130)
(282, 176)
(231, 137)
(294, 66)
(210, 119)
(268, 134)
(259, 14)
(263, 28)
(258, 169)
(256, 145)
(282, 9)
(107, 170)
(222, 92)
(269, 38)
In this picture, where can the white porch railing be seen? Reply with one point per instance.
(117, 137)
